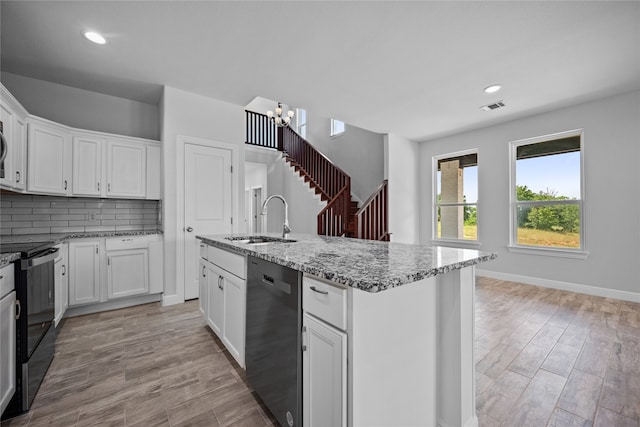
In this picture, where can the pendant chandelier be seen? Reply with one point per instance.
(277, 119)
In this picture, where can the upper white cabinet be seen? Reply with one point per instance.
(126, 169)
(87, 166)
(14, 128)
(49, 158)
(45, 157)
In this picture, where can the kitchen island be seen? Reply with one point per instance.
(409, 322)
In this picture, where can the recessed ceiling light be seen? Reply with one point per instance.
(492, 88)
(95, 37)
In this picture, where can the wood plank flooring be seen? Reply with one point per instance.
(143, 366)
(551, 358)
(543, 358)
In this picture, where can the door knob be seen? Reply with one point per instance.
(189, 229)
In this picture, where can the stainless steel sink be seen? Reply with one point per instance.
(259, 240)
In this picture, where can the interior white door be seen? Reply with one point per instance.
(207, 203)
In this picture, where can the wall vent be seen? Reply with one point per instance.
(493, 106)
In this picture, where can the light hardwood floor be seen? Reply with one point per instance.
(543, 358)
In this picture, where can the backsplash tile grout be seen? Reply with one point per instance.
(34, 214)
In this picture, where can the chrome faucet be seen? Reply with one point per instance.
(285, 226)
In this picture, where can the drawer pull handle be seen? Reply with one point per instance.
(313, 288)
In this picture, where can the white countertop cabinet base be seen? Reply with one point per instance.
(411, 354)
(7, 336)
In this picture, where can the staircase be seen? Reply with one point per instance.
(341, 216)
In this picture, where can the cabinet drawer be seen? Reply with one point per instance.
(7, 274)
(123, 243)
(232, 262)
(325, 301)
(204, 253)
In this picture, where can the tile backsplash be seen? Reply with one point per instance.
(32, 214)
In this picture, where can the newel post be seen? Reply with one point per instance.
(280, 137)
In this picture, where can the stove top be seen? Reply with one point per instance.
(26, 249)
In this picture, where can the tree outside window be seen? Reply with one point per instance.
(547, 192)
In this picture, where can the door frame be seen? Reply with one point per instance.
(180, 215)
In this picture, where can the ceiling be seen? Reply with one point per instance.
(415, 69)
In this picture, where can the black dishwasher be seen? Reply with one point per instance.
(273, 354)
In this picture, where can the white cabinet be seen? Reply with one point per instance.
(127, 268)
(215, 301)
(14, 128)
(61, 282)
(324, 357)
(225, 295)
(7, 336)
(203, 287)
(154, 173)
(87, 166)
(126, 169)
(84, 272)
(116, 267)
(49, 158)
(324, 374)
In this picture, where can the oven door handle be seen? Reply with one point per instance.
(48, 256)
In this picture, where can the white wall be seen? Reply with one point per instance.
(281, 179)
(255, 175)
(401, 166)
(611, 206)
(84, 109)
(189, 114)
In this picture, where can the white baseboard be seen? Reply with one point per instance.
(171, 300)
(563, 286)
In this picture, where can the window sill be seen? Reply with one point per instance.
(554, 252)
(453, 243)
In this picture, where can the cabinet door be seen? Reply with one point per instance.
(235, 304)
(19, 147)
(84, 272)
(127, 273)
(87, 166)
(49, 159)
(215, 303)
(58, 281)
(8, 349)
(126, 169)
(153, 172)
(324, 374)
(204, 288)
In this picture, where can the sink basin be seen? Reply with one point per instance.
(259, 240)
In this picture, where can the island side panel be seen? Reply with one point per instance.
(392, 356)
(456, 371)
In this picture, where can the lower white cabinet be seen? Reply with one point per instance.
(116, 267)
(223, 298)
(203, 287)
(7, 336)
(84, 272)
(61, 282)
(127, 272)
(324, 355)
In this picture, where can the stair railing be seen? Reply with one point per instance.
(332, 181)
(371, 220)
(260, 131)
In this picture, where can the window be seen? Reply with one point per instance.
(337, 127)
(546, 193)
(301, 122)
(456, 196)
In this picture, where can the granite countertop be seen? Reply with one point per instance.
(8, 257)
(364, 264)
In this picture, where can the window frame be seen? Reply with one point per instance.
(333, 128)
(434, 223)
(514, 246)
(302, 125)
